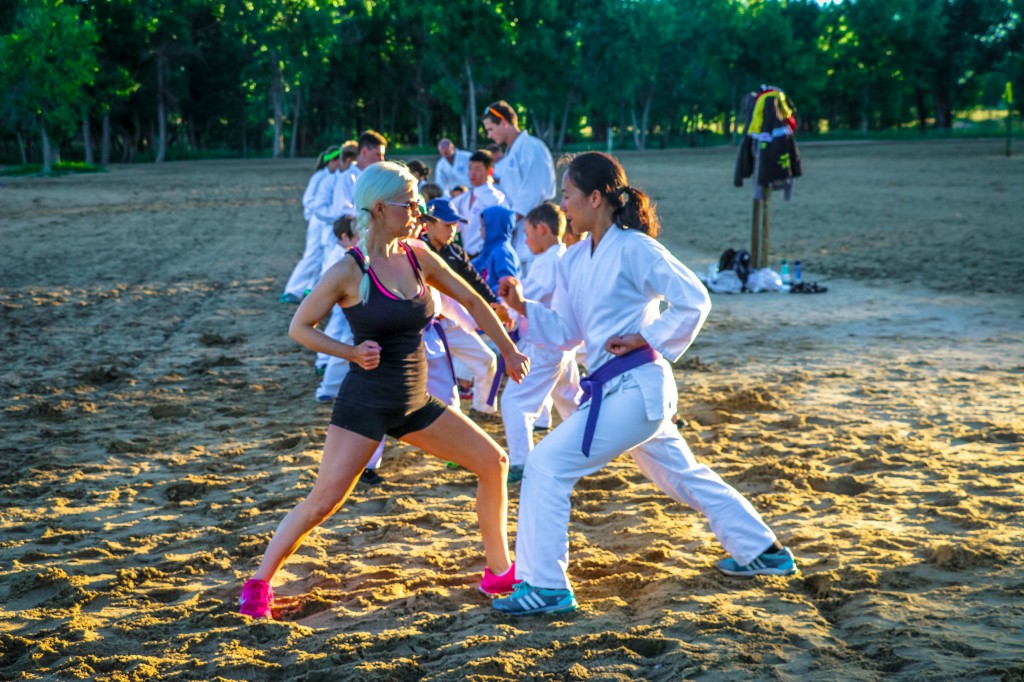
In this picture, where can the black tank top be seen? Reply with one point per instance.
(399, 382)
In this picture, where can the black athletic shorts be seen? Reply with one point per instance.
(375, 423)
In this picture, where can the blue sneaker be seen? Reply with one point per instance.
(528, 601)
(324, 398)
(515, 473)
(775, 563)
(290, 298)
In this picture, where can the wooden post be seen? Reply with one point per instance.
(765, 229)
(755, 234)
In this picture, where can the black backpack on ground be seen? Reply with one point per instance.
(738, 261)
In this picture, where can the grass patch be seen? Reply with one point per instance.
(63, 168)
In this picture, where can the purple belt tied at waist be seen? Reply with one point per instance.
(435, 324)
(593, 383)
(492, 394)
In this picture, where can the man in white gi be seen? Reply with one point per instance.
(453, 166)
(482, 194)
(553, 372)
(372, 147)
(527, 172)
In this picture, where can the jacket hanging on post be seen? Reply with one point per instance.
(768, 151)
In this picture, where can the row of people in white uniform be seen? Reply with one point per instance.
(554, 377)
(328, 196)
(527, 182)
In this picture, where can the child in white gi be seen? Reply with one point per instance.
(553, 372)
(466, 346)
(609, 295)
(481, 195)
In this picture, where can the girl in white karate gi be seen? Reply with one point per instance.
(609, 292)
(307, 271)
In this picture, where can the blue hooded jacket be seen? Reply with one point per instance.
(498, 259)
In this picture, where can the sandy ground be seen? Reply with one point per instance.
(156, 424)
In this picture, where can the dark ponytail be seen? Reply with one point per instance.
(597, 171)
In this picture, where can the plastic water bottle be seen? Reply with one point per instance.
(784, 271)
(797, 275)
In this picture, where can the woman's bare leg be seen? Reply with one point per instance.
(455, 438)
(345, 456)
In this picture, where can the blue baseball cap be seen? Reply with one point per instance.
(443, 211)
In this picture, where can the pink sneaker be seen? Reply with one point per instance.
(498, 584)
(256, 598)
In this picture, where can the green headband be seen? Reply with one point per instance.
(333, 155)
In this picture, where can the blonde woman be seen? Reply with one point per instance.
(382, 290)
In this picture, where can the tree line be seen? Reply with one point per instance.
(117, 80)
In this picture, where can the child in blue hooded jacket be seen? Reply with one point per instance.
(498, 257)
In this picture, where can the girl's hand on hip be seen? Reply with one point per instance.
(620, 345)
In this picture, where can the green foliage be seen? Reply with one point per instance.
(45, 61)
(195, 78)
(62, 168)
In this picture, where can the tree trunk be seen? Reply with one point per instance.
(21, 148)
(161, 107)
(864, 113)
(277, 100)
(470, 141)
(245, 129)
(87, 139)
(296, 111)
(922, 111)
(47, 152)
(943, 109)
(105, 140)
(640, 127)
(463, 131)
(565, 120)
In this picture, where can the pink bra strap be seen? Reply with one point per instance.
(380, 287)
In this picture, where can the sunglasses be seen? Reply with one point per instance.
(494, 112)
(410, 206)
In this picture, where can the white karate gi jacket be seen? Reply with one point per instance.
(342, 201)
(527, 174)
(447, 175)
(309, 196)
(482, 197)
(618, 290)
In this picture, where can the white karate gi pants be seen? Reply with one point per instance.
(307, 271)
(553, 377)
(471, 350)
(337, 328)
(554, 466)
(440, 381)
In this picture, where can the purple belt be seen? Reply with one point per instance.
(594, 382)
(493, 393)
(437, 327)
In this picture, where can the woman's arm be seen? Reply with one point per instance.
(440, 276)
(659, 274)
(334, 287)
